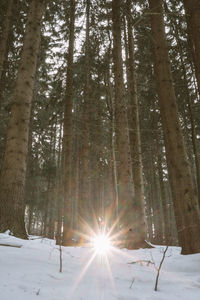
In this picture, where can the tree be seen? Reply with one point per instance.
(4, 37)
(124, 172)
(135, 140)
(183, 191)
(67, 234)
(85, 150)
(12, 179)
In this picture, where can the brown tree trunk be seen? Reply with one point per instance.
(67, 230)
(124, 173)
(84, 197)
(165, 206)
(5, 33)
(135, 140)
(183, 191)
(12, 180)
(4, 39)
(192, 9)
(191, 115)
(59, 189)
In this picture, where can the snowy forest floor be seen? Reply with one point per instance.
(32, 272)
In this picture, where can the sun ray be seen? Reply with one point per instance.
(81, 276)
(110, 274)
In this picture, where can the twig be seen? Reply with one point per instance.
(60, 258)
(38, 292)
(148, 262)
(10, 245)
(159, 268)
(132, 283)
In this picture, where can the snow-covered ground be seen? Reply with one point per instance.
(32, 272)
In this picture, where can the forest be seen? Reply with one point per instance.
(100, 121)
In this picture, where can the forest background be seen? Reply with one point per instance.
(100, 120)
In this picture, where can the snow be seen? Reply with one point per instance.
(32, 272)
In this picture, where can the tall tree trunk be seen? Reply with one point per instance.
(183, 191)
(192, 9)
(67, 230)
(124, 173)
(84, 201)
(5, 34)
(165, 206)
(191, 115)
(12, 180)
(190, 102)
(4, 40)
(135, 140)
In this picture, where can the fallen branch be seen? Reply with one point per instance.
(10, 245)
(147, 262)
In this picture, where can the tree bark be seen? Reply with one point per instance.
(67, 230)
(183, 191)
(165, 206)
(12, 180)
(4, 38)
(124, 173)
(135, 140)
(84, 197)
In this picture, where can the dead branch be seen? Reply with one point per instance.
(60, 258)
(10, 245)
(159, 268)
(147, 262)
(132, 283)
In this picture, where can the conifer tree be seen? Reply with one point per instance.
(67, 234)
(13, 173)
(182, 186)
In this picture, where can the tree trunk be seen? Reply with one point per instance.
(183, 191)
(192, 9)
(84, 197)
(135, 140)
(165, 206)
(12, 180)
(190, 112)
(5, 34)
(67, 230)
(124, 173)
(4, 39)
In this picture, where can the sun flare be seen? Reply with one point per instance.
(101, 244)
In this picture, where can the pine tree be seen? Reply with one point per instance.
(183, 191)
(67, 234)
(15, 160)
(135, 140)
(124, 173)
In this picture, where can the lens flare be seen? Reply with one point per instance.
(101, 244)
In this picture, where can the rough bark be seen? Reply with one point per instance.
(12, 180)
(4, 38)
(67, 230)
(192, 9)
(135, 140)
(84, 197)
(124, 173)
(4, 35)
(183, 191)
